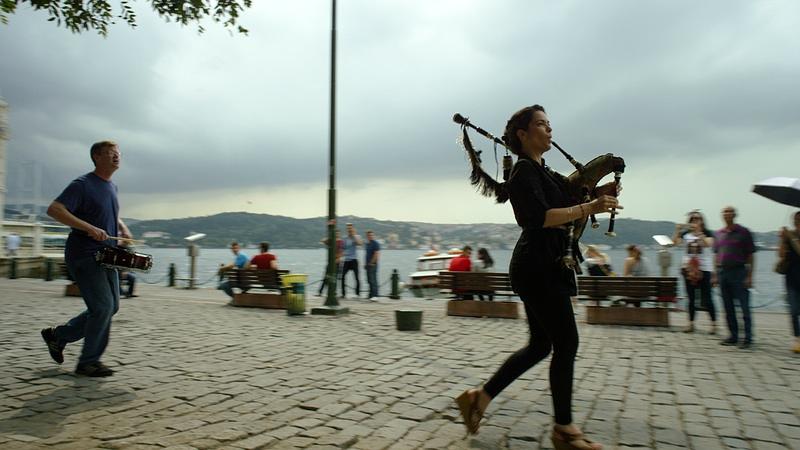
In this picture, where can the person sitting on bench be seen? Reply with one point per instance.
(239, 262)
(462, 263)
(265, 259)
(128, 278)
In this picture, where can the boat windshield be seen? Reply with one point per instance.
(433, 264)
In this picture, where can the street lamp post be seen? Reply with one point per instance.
(331, 306)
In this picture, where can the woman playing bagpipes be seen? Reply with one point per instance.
(540, 273)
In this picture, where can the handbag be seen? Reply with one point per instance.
(782, 265)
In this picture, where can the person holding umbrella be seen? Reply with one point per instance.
(789, 251)
(786, 190)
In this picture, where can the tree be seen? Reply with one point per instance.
(79, 15)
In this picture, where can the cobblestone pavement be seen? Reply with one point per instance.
(195, 373)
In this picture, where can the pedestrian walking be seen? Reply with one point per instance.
(789, 254)
(734, 249)
(12, 244)
(541, 276)
(373, 254)
(351, 241)
(89, 206)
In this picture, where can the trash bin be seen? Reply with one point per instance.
(289, 278)
(408, 319)
(296, 293)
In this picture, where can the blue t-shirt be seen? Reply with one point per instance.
(93, 200)
(372, 247)
(350, 249)
(240, 260)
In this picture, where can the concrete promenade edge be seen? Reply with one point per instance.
(192, 372)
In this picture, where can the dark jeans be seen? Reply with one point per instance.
(793, 298)
(325, 278)
(225, 286)
(100, 290)
(552, 327)
(130, 279)
(731, 283)
(348, 266)
(372, 279)
(705, 295)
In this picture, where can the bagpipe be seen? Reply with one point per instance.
(580, 185)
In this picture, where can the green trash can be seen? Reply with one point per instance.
(296, 299)
(408, 319)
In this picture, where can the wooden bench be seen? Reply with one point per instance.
(652, 296)
(478, 283)
(271, 292)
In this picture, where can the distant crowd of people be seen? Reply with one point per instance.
(724, 258)
(346, 261)
(264, 260)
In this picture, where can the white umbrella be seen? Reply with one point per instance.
(780, 189)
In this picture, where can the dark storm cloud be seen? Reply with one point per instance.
(219, 111)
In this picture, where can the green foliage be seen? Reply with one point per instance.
(78, 16)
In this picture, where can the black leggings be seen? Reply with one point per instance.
(705, 296)
(349, 265)
(552, 327)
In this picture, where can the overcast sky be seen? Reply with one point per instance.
(702, 99)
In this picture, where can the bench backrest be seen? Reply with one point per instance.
(256, 278)
(475, 282)
(629, 287)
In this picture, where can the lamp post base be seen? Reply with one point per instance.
(330, 310)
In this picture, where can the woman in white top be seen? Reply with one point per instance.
(698, 266)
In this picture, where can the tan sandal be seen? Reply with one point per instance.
(571, 441)
(468, 405)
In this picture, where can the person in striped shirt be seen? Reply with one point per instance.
(734, 248)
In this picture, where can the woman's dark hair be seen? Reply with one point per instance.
(483, 255)
(519, 121)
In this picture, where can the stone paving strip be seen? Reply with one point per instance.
(193, 373)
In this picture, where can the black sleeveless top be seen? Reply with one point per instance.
(536, 265)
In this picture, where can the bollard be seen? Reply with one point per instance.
(48, 269)
(296, 301)
(664, 260)
(12, 270)
(171, 275)
(395, 285)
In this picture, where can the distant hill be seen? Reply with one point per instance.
(288, 232)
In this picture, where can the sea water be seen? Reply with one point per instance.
(768, 292)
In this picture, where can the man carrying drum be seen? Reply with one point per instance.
(89, 206)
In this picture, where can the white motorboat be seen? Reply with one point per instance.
(425, 281)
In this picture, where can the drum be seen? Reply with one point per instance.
(122, 258)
